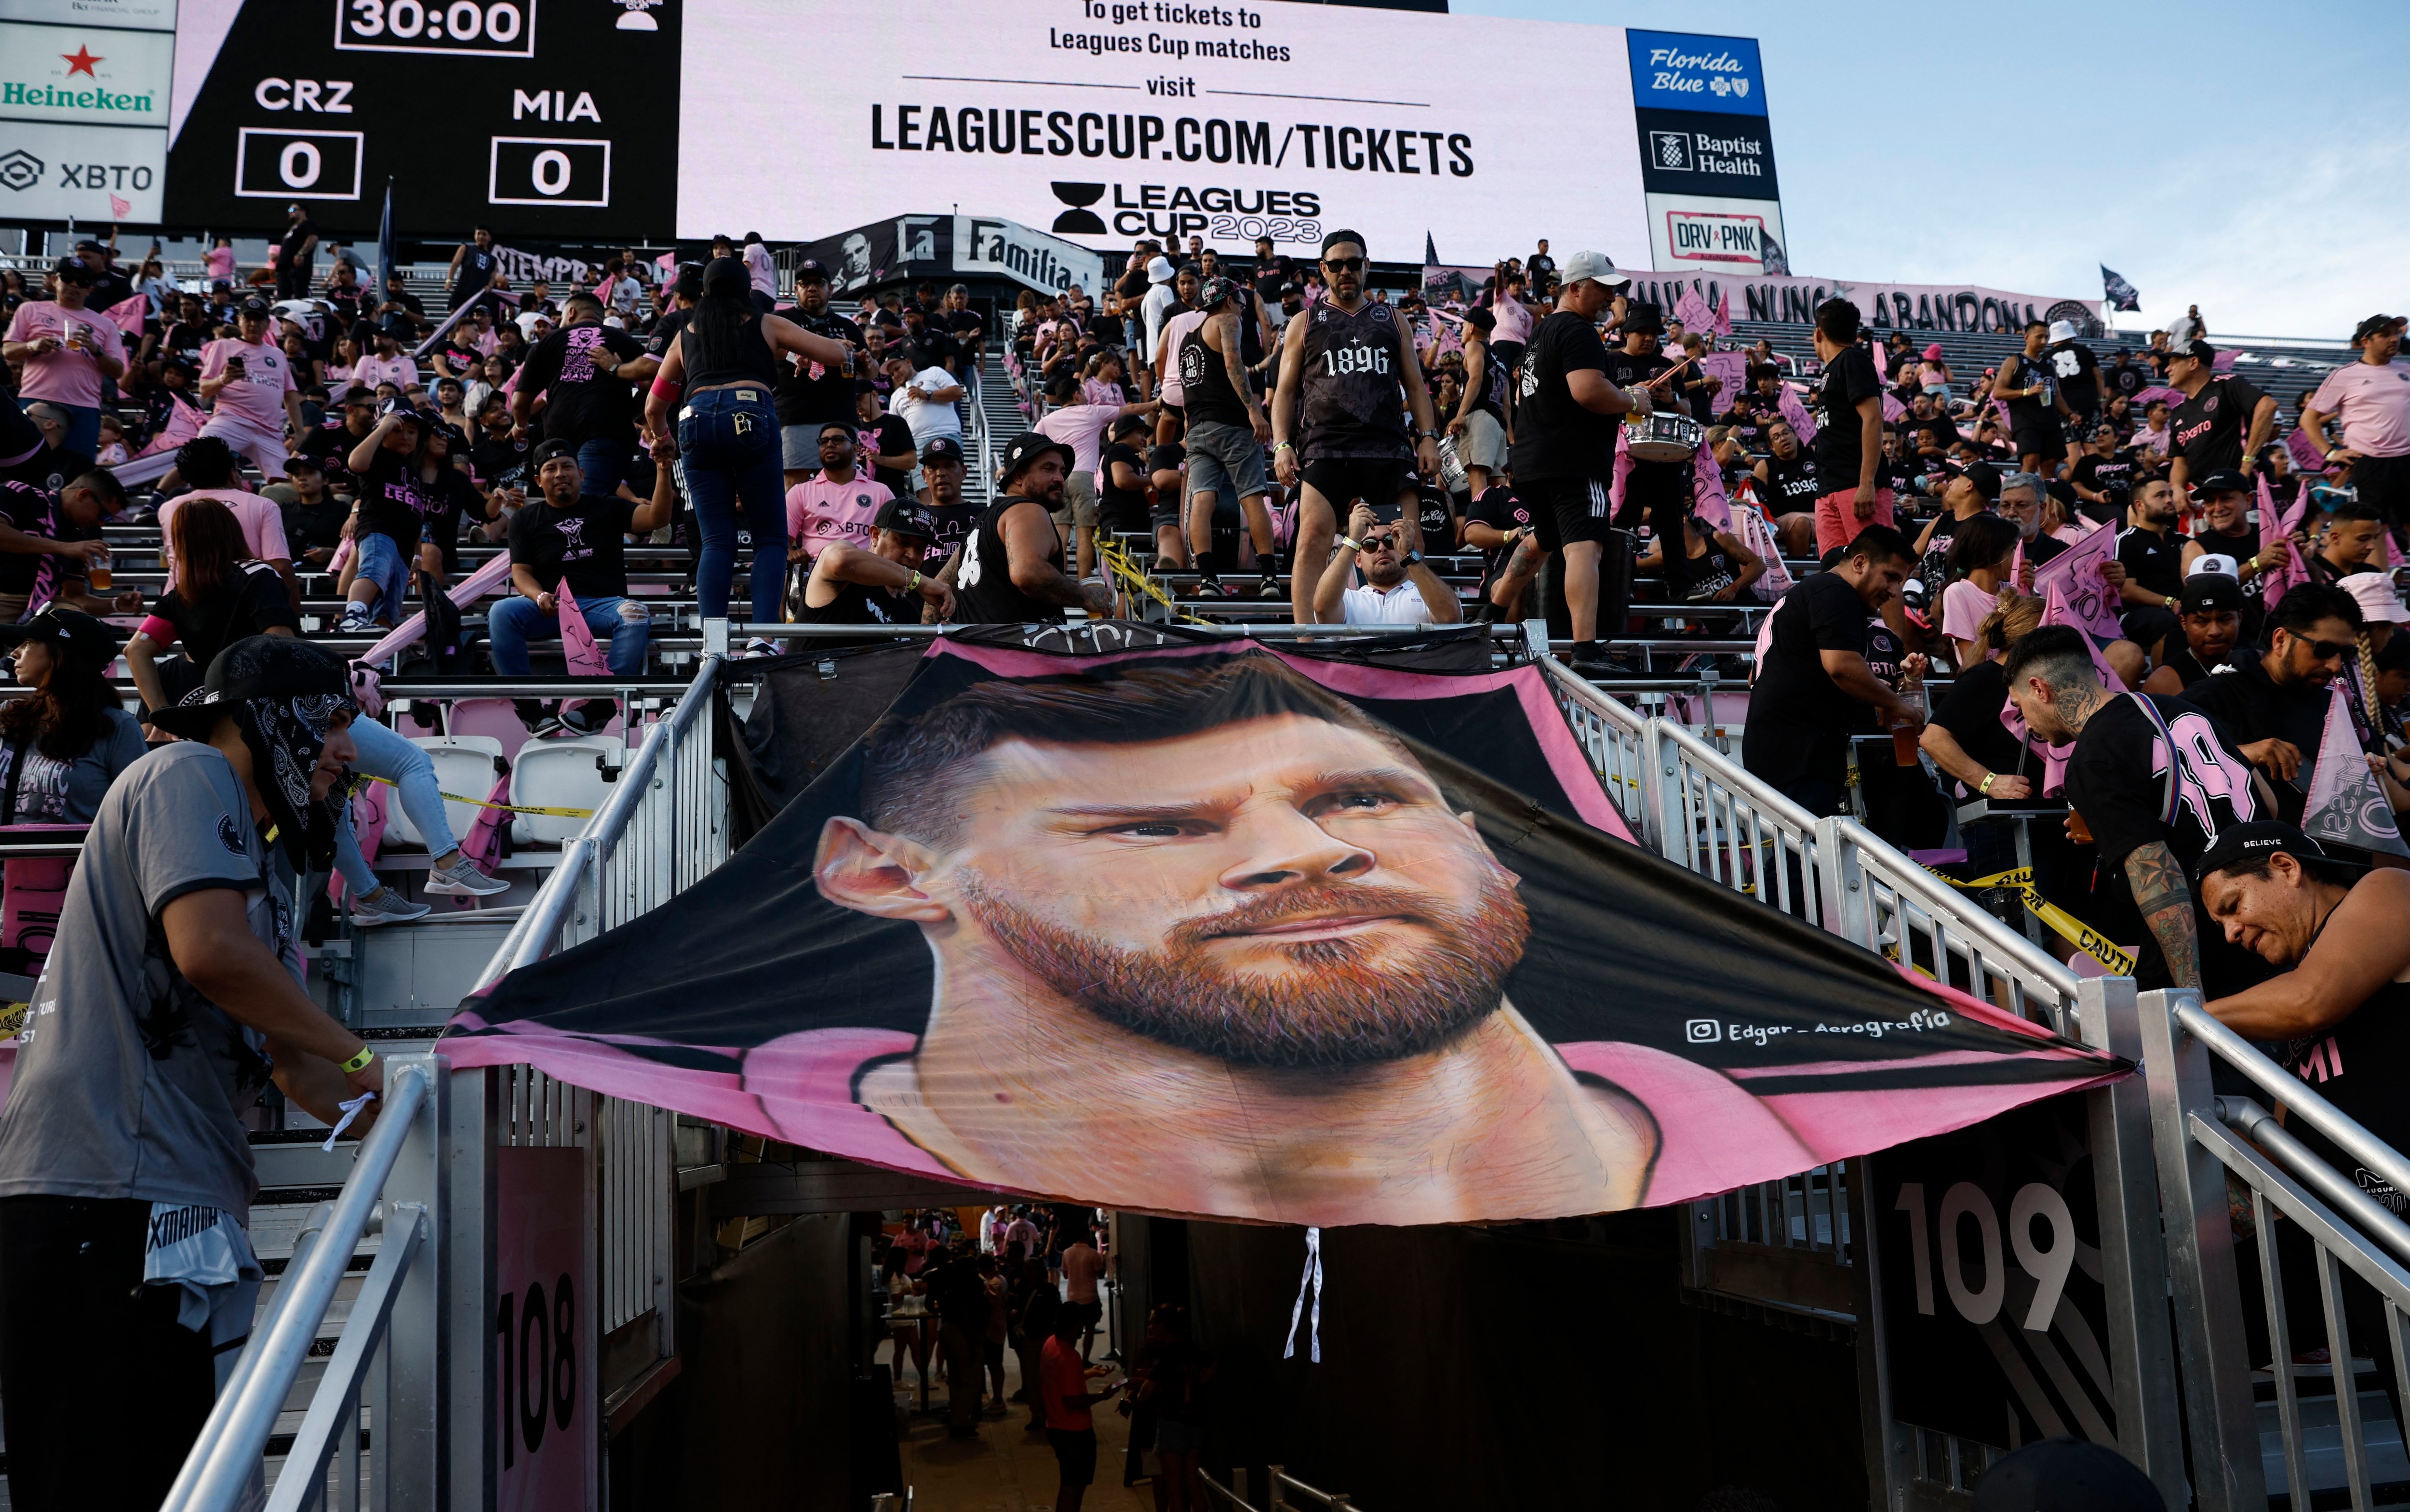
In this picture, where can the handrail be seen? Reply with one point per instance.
(217, 1474)
(2258, 1126)
(2296, 1095)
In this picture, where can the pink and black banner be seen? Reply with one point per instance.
(1230, 932)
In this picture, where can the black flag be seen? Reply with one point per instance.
(2120, 293)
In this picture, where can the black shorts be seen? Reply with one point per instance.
(2385, 482)
(2045, 443)
(1565, 510)
(1376, 480)
(1075, 1451)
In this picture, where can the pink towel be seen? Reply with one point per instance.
(576, 640)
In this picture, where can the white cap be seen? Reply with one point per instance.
(2378, 601)
(2211, 562)
(2061, 331)
(1592, 265)
(1161, 272)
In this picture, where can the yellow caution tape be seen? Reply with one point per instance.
(1135, 580)
(2119, 961)
(511, 809)
(12, 1018)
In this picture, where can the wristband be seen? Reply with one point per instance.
(1984, 787)
(358, 1062)
(1283, 445)
(665, 388)
(913, 584)
(1351, 543)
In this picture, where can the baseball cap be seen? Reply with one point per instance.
(2211, 592)
(2377, 325)
(1213, 292)
(811, 270)
(73, 635)
(398, 408)
(2264, 837)
(2223, 481)
(73, 270)
(1986, 477)
(942, 449)
(259, 666)
(2378, 600)
(1592, 265)
(546, 450)
(2192, 347)
(2061, 331)
(1025, 450)
(255, 307)
(2068, 1474)
(1479, 319)
(906, 516)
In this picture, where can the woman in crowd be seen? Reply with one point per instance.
(1933, 373)
(349, 347)
(62, 748)
(1980, 559)
(724, 363)
(222, 595)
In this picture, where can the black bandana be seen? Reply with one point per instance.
(286, 735)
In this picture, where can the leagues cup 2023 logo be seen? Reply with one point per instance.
(1078, 220)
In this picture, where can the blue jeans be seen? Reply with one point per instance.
(83, 427)
(604, 463)
(381, 563)
(385, 754)
(515, 621)
(729, 455)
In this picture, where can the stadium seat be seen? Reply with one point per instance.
(465, 767)
(577, 773)
(490, 717)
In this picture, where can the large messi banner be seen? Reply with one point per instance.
(1232, 933)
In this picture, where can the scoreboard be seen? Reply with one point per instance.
(557, 116)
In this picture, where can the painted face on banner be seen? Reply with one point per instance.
(1274, 890)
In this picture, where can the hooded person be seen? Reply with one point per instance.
(284, 696)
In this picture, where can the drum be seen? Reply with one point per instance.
(1662, 437)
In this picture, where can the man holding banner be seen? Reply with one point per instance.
(573, 538)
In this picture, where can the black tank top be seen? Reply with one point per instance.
(1353, 406)
(1709, 572)
(1251, 325)
(1205, 391)
(2356, 1066)
(984, 592)
(859, 603)
(741, 356)
(1792, 483)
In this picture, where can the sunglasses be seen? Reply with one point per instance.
(2331, 650)
(1343, 265)
(1379, 541)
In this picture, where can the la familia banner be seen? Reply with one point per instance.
(1240, 933)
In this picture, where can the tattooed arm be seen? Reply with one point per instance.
(2164, 900)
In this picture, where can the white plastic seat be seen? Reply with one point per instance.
(465, 766)
(562, 774)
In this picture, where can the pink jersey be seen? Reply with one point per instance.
(2373, 403)
(399, 369)
(257, 397)
(263, 525)
(219, 261)
(65, 374)
(1081, 428)
(819, 512)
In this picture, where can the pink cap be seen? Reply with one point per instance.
(2378, 600)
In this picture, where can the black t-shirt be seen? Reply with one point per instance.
(2251, 708)
(967, 325)
(1501, 508)
(1971, 714)
(499, 460)
(330, 445)
(2033, 411)
(2117, 780)
(2154, 561)
(1554, 436)
(248, 605)
(34, 511)
(1840, 449)
(818, 395)
(1270, 273)
(477, 267)
(2209, 429)
(292, 256)
(1122, 509)
(587, 546)
(886, 436)
(310, 527)
(665, 331)
(1792, 486)
(1884, 649)
(583, 402)
(1436, 517)
(1798, 717)
(398, 321)
(456, 498)
(2102, 473)
(2041, 548)
(2078, 373)
(396, 502)
(952, 522)
(2128, 379)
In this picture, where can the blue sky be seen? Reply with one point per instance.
(2023, 145)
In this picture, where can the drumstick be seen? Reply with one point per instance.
(1669, 372)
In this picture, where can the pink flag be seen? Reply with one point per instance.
(2017, 566)
(2345, 805)
(120, 210)
(1692, 309)
(2307, 459)
(576, 640)
(2143, 400)
(2056, 611)
(1731, 369)
(2277, 579)
(2075, 574)
(184, 422)
(1708, 498)
(127, 316)
(1749, 523)
(1796, 413)
(1723, 317)
(1892, 410)
(667, 263)
(483, 844)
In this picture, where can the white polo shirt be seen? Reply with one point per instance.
(1365, 604)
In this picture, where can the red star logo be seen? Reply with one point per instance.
(80, 61)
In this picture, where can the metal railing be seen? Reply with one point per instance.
(1278, 1484)
(2329, 1437)
(224, 1466)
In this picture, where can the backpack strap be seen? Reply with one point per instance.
(2159, 723)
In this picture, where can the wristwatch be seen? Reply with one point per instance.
(1412, 558)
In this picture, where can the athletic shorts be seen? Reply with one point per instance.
(1343, 480)
(1075, 1451)
(2046, 443)
(1837, 517)
(1566, 510)
(2385, 482)
(263, 447)
(1220, 453)
(1484, 441)
(1080, 495)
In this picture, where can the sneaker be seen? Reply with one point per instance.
(462, 879)
(356, 620)
(1588, 660)
(1271, 587)
(588, 716)
(385, 906)
(540, 719)
(1211, 587)
(759, 647)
